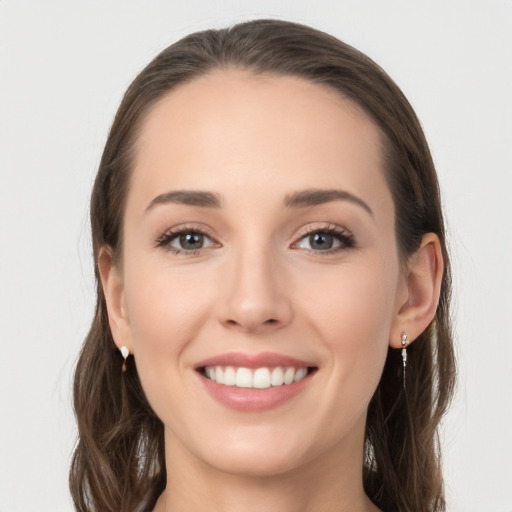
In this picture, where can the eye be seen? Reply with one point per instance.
(319, 242)
(186, 241)
(189, 241)
(330, 239)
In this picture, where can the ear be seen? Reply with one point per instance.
(422, 285)
(113, 289)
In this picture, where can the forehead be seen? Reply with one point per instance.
(232, 131)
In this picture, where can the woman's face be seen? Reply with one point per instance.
(259, 249)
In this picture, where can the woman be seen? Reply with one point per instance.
(272, 328)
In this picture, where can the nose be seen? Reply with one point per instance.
(256, 297)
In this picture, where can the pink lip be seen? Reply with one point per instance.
(264, 359)
(253, 400)
(247, 399)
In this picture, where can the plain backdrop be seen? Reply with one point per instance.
(63, 68)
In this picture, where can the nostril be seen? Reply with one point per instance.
(252, 321)
(270, 321)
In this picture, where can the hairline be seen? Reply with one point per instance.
(385, 147)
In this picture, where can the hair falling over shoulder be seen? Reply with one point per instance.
(118, 464)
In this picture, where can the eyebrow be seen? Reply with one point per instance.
(300, 199)
(188, 197)
(313, 197)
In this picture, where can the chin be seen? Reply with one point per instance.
(261, 464)
(256, 454)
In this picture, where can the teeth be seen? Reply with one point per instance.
(229, 376)
(243, 378)
(277, 378)
(300, 374)
(259, 378)
(289, 374)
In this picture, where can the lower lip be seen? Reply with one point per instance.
(253, 400)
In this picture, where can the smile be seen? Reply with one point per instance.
(254, 382)
(257, 378)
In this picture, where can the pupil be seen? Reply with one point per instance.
(191, 241)
(321, 241)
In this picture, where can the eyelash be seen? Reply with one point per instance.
(165, 240)
(343, 236)
(346, 239)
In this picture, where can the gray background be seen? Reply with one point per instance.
(63, 68)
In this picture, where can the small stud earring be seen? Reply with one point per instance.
(404, 353)
(125, 352)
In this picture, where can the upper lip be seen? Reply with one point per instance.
(264, 359)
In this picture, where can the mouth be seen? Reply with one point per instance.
(254, 382)
(255, 378)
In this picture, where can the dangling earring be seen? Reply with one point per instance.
(404, 353)
(125, 353)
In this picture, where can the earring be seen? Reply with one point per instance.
(404, 353)
(125, 352)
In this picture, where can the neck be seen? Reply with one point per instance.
(320, 485)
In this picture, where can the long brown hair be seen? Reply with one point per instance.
(119, 463)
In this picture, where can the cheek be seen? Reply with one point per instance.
(161, 307)
(165, 315)
(353, 318)
(357, 300)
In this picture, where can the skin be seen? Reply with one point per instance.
(257, 286)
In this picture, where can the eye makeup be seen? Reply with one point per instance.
(189, 240)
